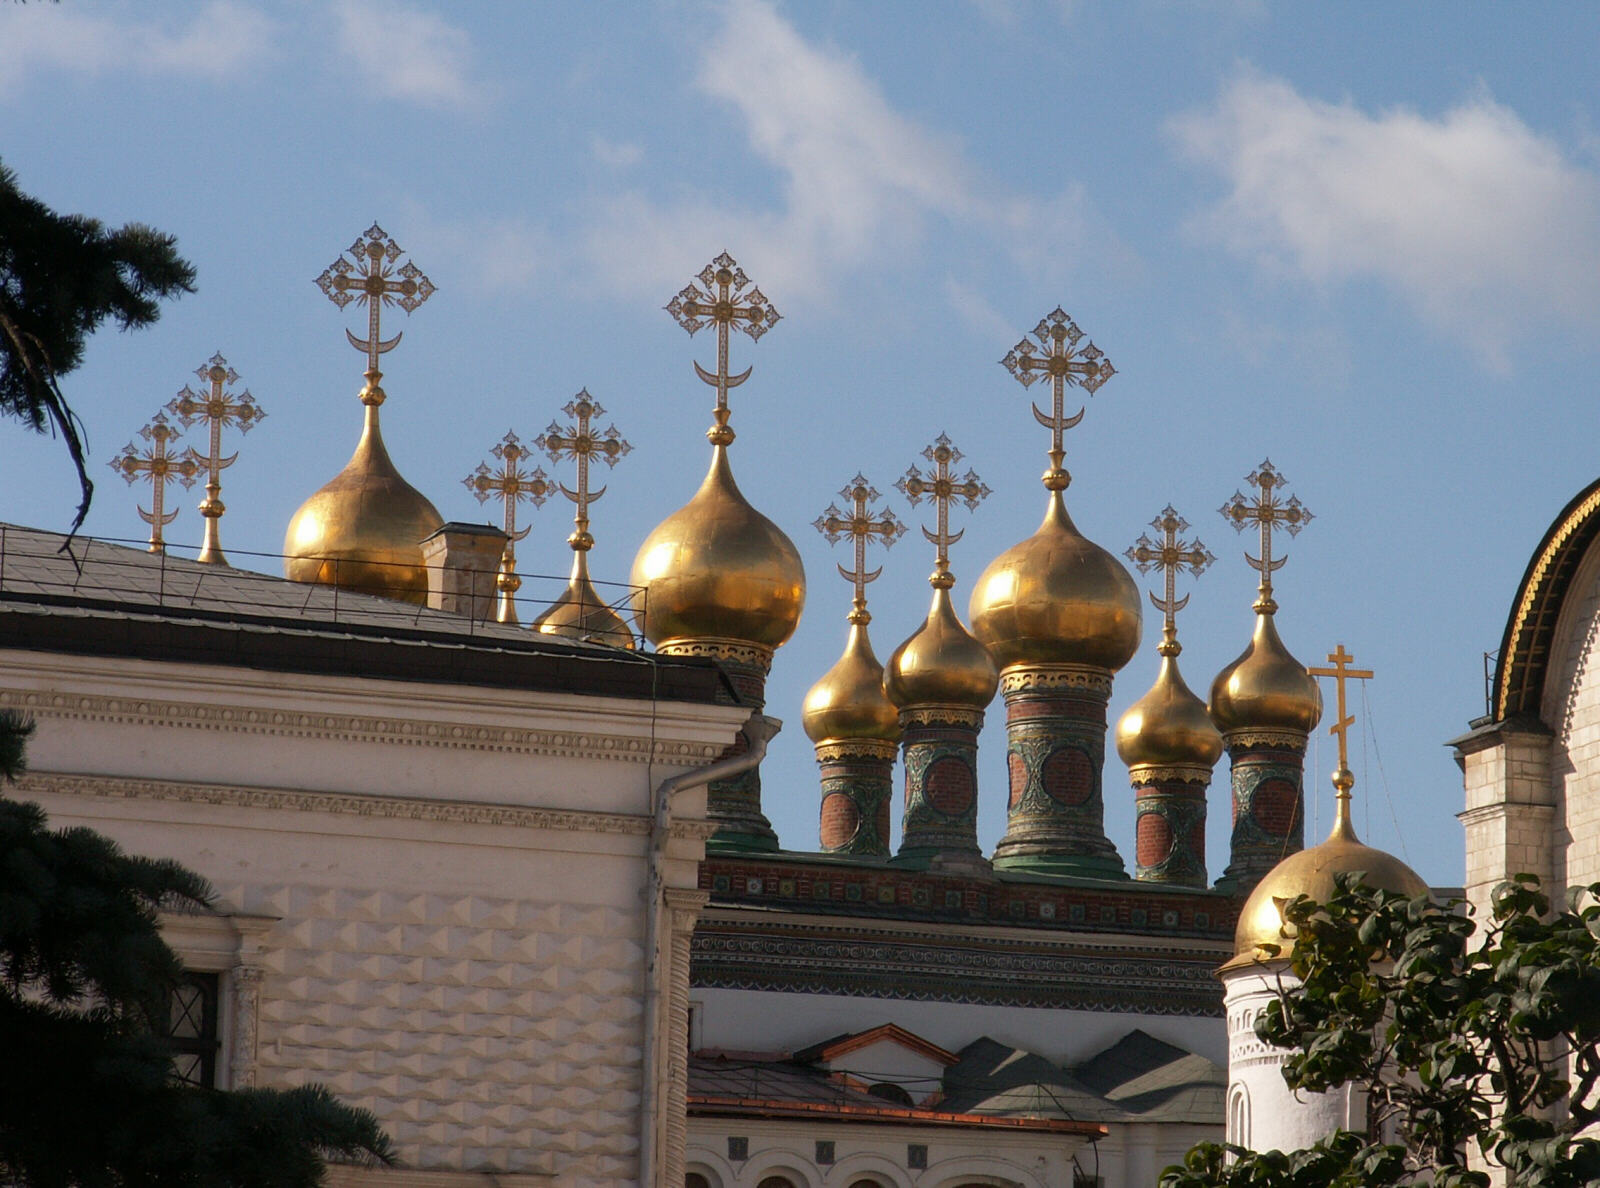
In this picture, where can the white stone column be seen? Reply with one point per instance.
(1509, 816)
(672, 1088)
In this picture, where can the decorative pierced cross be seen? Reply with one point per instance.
(372, 280)
(1169, 554)
(1065, 364)
(1342, 672)
(583, 444)
(218, 409)
(511, 485)
(720, 298)
(159, 466)
(861, 526)
(1269, 512)
(942, 487)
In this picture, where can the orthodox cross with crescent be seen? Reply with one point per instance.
(1058, 357)
(860, 525)
(159, 466)
(721, 298)
(1169, 554)
(218, 409)
(584, 444)
(942, 488)
(366, 274)
(1270, 512)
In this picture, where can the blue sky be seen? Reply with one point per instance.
(1361, 240)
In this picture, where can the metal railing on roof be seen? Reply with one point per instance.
(47, 567)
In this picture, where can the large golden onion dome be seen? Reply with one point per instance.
(363, 530)
(1265, 688)
(1057, 598)
(718, 569)
(1311, 873)
(942, 663)
(1168, 726)
(581, 613)
(849, 701)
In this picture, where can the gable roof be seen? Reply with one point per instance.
(842, 1045)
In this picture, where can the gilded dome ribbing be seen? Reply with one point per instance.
(1057, 598)
(1265, 688)
(718, 569)
(1168, 726)
(363, 529)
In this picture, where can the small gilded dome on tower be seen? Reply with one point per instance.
(1265, 688)
(1168, 726)
(942, 663)
(718, 569)
(363, 529)
(1057, 598)
(849, 703)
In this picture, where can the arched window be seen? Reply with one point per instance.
(695, 1180)
(1238, 1114)
(776, 1182)
(890, 1092)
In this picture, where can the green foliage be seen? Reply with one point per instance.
(61, 276)
(87, 1096)
(1458, 1041)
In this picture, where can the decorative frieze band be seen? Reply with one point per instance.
(1025, 677)
(1291, 740)
(856, 748)
(355, 728)
(353, 804)
(942, 715)
(733, 650)
(1149, 773)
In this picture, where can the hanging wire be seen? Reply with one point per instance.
(1383, 778)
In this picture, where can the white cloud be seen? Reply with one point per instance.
(221, 39)
(859, 182)
(408, 54)
(1478, 222)
(619, 154)
(980, 317)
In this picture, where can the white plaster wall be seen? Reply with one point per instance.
(762, 1021)
(1571, 699)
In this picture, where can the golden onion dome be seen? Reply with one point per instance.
(1057, 598)
(363, 529)
(849, 701)
(581, 613)
(718, 569)
(1311, 873)
(1168, 726)
(1265, 688)
(942, 663)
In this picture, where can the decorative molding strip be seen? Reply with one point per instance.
(465, 736)
(736, 651)
(354, 804)
(1151, 773)
(942, 715)
(856, 748)
(1291, 740)
(1023, 678)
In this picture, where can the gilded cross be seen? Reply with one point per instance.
(942, 488)
(1342, 672)
(584, 444)
(366, 275)
(219, 409)
(861, 526)
(1269, 512)
(721, 299)
(159, 466)
(1169, 554)
(511, 485)
(1058, 357)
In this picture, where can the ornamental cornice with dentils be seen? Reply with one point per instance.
(1058, 357)
(724, 298)
(511, 484)
(217, 409)
(861, 526)
(942, 487)
(366, 274)
(1269, 512)
(1169, 554)
(158, 466)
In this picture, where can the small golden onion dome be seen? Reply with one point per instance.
(1265, 688)
(1168, 726)
(581, 613)
(363, 530)
(1311, 873)
(942, 663)
(1057, 598)
(849, 701)
(718, 569)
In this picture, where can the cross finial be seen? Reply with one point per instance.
(373, 280)
(1058, 357)
(942, 488)
(721, 299)
(1169, 554)
(1269, 511)
(1341, 672)
(160, 466)
(583, 444)
(218, 409)
(511, 485)
(861, 526)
